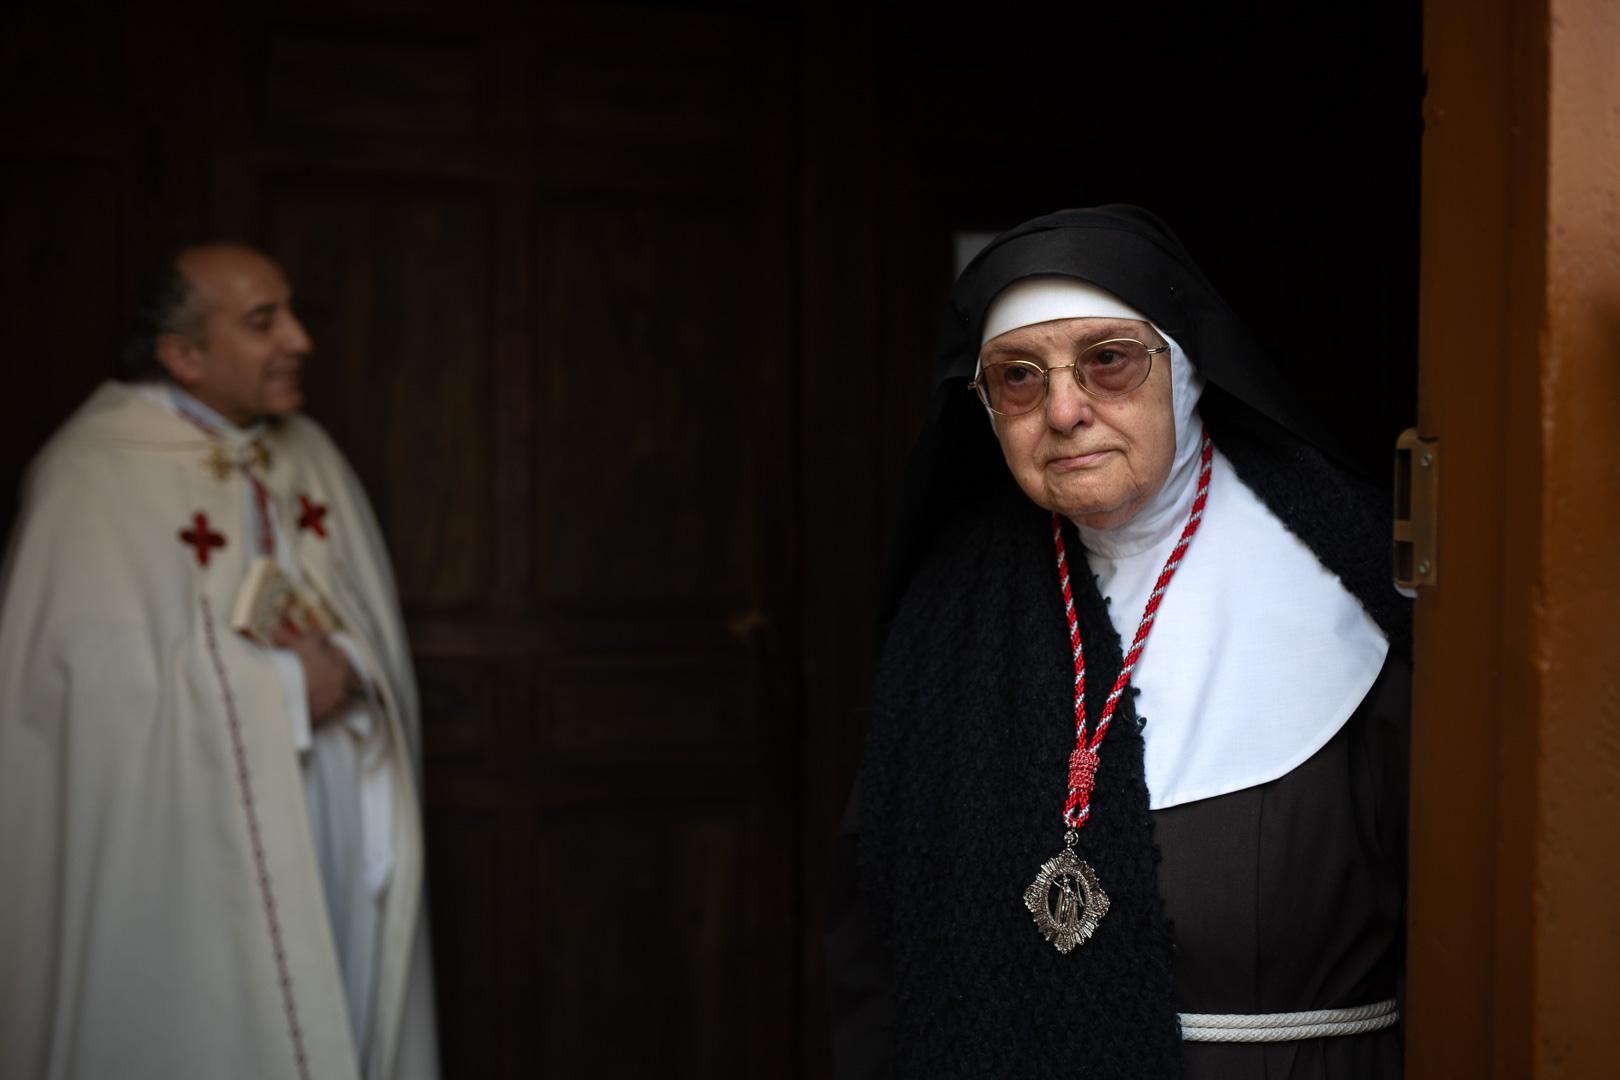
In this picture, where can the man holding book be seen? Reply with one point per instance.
(209, 815)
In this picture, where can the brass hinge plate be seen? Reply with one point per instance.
(1417, 507)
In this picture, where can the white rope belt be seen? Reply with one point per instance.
(1287, 1027)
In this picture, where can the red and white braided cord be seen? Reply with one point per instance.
(1083, 762)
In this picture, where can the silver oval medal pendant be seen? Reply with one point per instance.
(1066, 900)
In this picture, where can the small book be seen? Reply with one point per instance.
(268, 599)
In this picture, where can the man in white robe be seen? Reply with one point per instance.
(212, 846)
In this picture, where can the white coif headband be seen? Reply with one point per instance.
(1049, 297)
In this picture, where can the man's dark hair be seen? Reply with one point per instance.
(164, 304)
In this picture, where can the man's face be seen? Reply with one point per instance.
(243, 360)
(1096, 462)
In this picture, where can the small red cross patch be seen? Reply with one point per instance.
(311, 516)
(201, 537)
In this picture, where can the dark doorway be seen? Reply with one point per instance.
(593, 288)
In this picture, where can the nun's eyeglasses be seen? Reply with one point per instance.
(1108, 369)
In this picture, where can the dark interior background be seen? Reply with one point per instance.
(624, 314)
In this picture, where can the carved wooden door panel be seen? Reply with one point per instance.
(548, 271)
(70, 146)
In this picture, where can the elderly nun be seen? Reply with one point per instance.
(1133, 799)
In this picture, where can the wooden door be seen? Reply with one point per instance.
(547, 261)
(1516, 729)
(546, 267)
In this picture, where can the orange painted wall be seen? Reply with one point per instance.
(1515, 889)
(1578, 648)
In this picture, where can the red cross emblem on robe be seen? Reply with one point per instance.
(201, 538)
(312, 516)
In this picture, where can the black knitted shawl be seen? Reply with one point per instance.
(963, 782)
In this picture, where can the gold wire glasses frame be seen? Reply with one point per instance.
(1008, 387)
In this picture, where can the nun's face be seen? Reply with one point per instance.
(1095, 461)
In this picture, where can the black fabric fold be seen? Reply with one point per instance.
(961, 797)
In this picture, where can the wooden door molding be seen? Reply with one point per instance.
(1479, 224)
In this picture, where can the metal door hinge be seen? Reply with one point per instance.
(1417, 503)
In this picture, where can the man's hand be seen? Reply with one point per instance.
(327, 674)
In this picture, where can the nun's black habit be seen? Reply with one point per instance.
(1281, 897)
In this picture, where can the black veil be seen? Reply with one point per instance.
(1248, 402)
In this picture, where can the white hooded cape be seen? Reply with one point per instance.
(162, 913)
